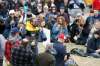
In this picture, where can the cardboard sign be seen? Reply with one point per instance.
(47, 33)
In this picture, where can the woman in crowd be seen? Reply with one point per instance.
(59, 27)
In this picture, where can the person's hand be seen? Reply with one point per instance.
(59, 25)
(98, 51)
(7, 62)
(55, 16)
(65, 58)
(40, 28)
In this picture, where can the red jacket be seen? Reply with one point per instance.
(8, 48)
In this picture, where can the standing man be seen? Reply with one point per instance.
(61, 50)
(22, 55)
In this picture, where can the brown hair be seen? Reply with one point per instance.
(64, 23)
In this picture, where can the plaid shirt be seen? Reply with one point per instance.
(22, 56)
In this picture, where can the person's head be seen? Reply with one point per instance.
(2, 4)
(61, 20)
(66, 1)
(50, 49)
(53, 9)
(61, 38)
(21, 10)
(29, 16)
(97, 34)
(46, 8)
(25, 41)
(97, 24)
(12, 13)
(39, 7)
(77, 21)
(52, 1)
(79, 16)
(91, 12)
(18, 14)
(43, 24)
(96, 13)
(62, 9)
(41, 20)
(14, 31)
(21, 25)
(13, 37)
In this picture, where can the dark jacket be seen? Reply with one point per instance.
(8, 21)
(88, 25)
(74, 29)
(92, 45)
(61, 52)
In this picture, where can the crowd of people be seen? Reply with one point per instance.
(21, 28)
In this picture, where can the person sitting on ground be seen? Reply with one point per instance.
(51, 16)
(75, 30)
(90, 21)
(62, 13)
(59, 27)
(93, 45)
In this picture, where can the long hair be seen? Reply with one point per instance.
(64, 23)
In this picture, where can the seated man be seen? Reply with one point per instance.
(93, 45)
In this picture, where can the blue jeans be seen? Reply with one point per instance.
(96, 55)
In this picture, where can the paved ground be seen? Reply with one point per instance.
(81, 61)
(84, 61)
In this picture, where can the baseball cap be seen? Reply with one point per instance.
(11, 11)
(61, 36)
(14, 30)
(62, 7)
